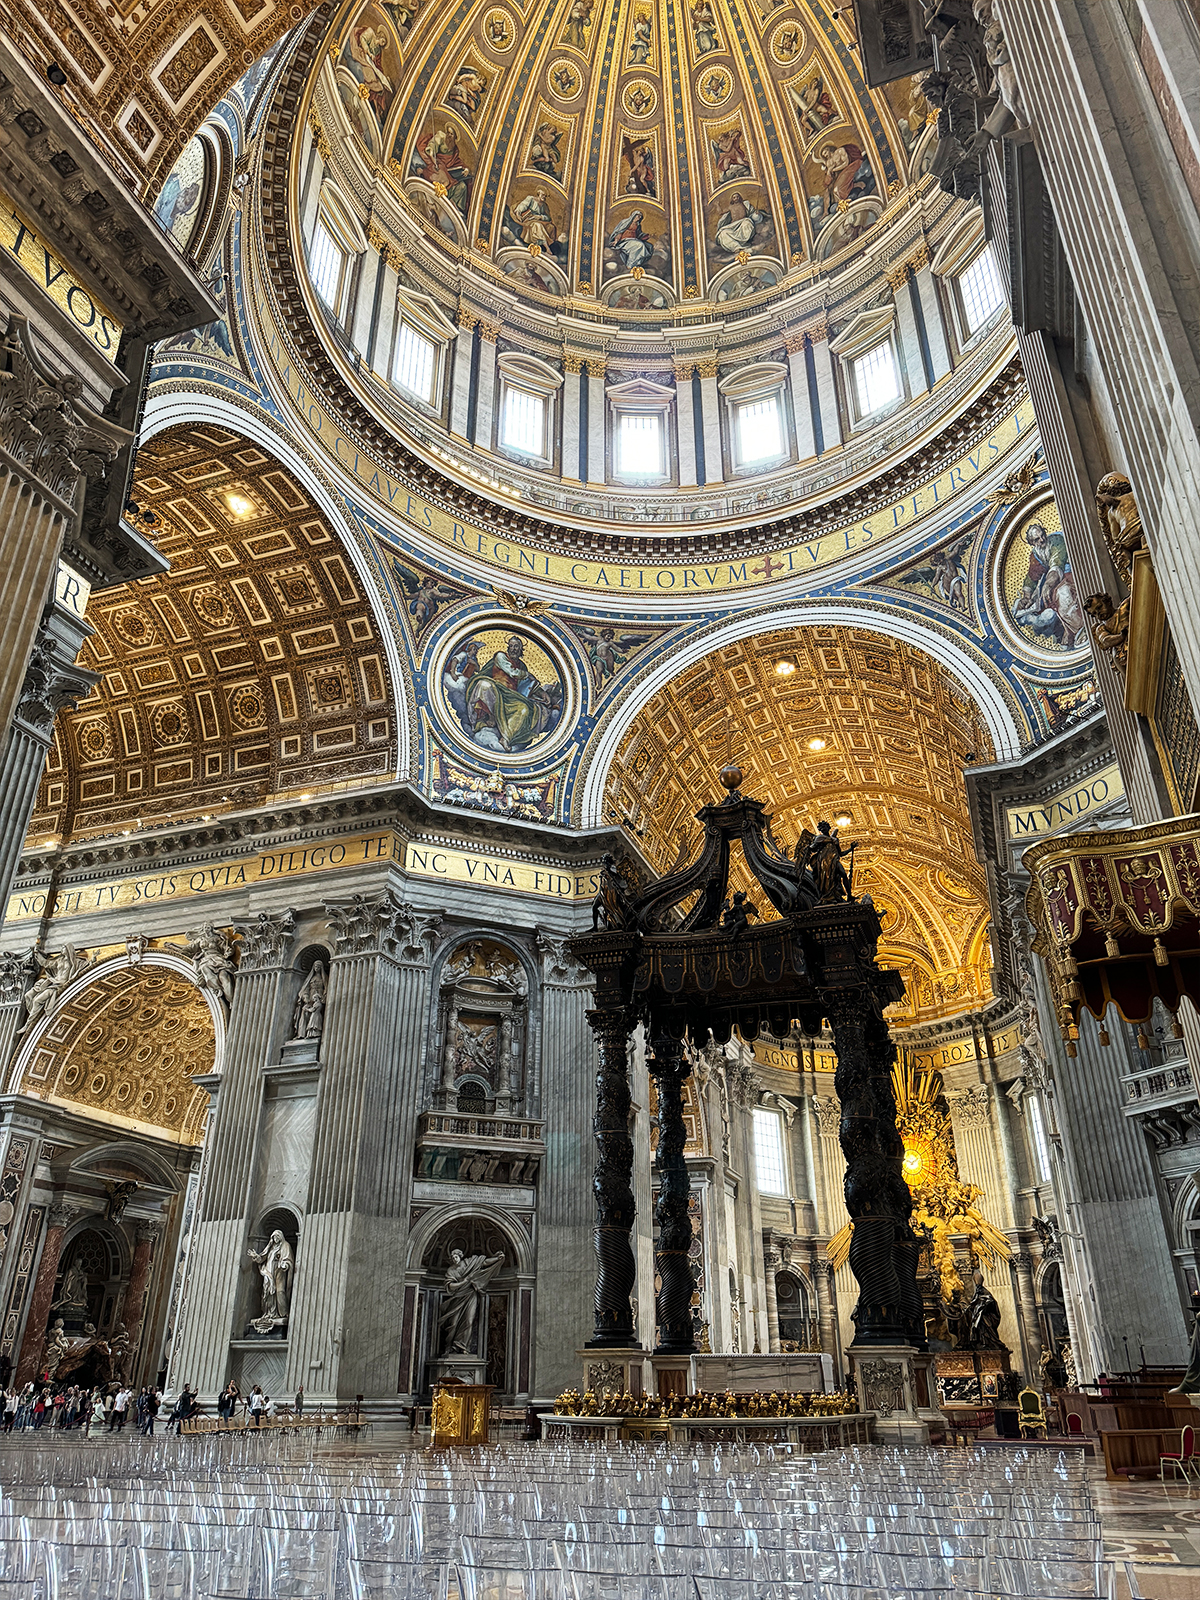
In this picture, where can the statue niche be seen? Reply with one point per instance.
(483, 1028)
(469, 1277)
(273, 1255)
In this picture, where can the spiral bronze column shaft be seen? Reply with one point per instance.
(616, 1270)
(877, 1196)
(669, 1068)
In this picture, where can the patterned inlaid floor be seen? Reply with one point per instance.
(1152, 1534)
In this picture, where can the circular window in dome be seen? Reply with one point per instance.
(505, 689)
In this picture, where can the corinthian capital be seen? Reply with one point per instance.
(265, 939)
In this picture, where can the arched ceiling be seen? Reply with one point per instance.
(142, 76)
(253, 668)
(648, 153)
(862, 727)
(126, 1049)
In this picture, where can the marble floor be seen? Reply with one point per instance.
(1152, 1534)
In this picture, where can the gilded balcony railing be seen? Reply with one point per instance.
(1118, 920)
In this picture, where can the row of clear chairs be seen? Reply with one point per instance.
(256, 1520)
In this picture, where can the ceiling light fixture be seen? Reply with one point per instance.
(239, 504)
(816, 744)
(844, 820)
(784, 667)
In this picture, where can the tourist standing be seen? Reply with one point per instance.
(96, 1425)
(300, 1401)
(120, 1410)
(39, 1410)
(258, 1404)
(11, 1402)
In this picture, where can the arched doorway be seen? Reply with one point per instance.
(797, 1323)
(114, 1065)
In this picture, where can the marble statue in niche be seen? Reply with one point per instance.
(308, 1014)
(467, 1278)
(483, 1027)
(275, 1263)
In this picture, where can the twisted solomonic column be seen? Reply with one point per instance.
(616, 1271)
(884, 1250)
(669, 1068)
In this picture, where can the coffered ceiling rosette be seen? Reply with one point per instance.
(863, 730)
(253, 669)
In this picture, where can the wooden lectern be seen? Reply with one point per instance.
(460, 1414)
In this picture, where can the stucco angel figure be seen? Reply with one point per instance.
(211, 954)
(467, 1277)
(308, 1015)
(1121, 522)
(274, 1265)
(56, 973)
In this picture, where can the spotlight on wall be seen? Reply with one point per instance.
(816, 744)
(785, 666)
(56, 75)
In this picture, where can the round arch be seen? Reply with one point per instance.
(174, 409)
(176, 964)
(432, 1223)
(983, 685)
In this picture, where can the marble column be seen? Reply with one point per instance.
(685, 424)
(710, 413)
(13, 979)
(363, 318)
(29, 1363)
(597, 421)
(51, 682)
(572, 380)
(460, 377)
(806, 444)
(935, 323)
(344, 1335)
(145, 1236)
(1031, 1332)
(827, 400)
(485, 403)
(210, 1301)
(566, 1273)
(772, 1261)
(906, 322)
(672, 1261)
(616, 1271)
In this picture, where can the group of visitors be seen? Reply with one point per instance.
(106, 1408)
(255, 1406)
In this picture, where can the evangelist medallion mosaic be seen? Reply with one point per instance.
(502, 689)
(1035, 589)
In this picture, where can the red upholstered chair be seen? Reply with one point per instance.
(1181, 1460)
(1074, 1422)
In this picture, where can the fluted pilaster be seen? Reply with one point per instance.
(50, 682)
(566, 1273)
(344, 1335)
(217, 1255)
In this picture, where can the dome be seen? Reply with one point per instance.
(641, 156)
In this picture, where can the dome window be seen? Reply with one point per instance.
(414, 365)
(528, 388)
(327, 263)
(640, 447)
(876, 379)
(757, 423)
(980, 291)
(336, 243)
